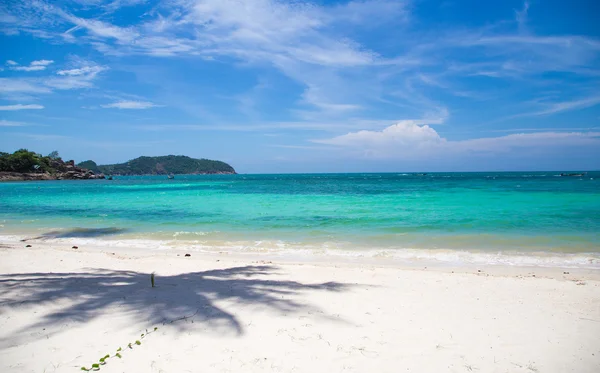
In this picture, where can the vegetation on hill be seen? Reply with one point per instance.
(25, 161)
(26, 165)
(170, 164)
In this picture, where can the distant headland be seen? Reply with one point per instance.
(164, 165)
(27, 165)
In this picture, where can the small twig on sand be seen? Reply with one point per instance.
(181, 318)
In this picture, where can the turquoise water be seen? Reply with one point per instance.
(475, 212)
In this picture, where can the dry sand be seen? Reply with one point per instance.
(64, 308)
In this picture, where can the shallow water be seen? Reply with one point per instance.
(384, 214)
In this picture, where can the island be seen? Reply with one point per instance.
(26, 165)
(163, 165)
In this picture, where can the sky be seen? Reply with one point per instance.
(292, 86)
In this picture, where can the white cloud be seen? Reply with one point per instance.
(81, 75)
(558, 107)
(44, 137)
(41, 62)
(8, 123)
(85, 70)
(130, 105)
(11, 85)
(28, 68)
(21, 107)
(38, 65)
(102, 29)
(521, 16)
(75, 79)
(407, 134)
(411, 139)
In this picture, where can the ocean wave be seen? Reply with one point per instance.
(184, 234)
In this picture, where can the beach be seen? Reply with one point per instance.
(64, 308)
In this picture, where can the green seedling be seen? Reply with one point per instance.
(103, 360)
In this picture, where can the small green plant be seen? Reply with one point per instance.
(103, 360)
(152, 279)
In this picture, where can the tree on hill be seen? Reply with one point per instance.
(24, 161)
(90, 165)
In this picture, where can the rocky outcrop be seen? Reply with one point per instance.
(61, 171)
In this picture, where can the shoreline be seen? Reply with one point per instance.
(324, 252)
(359, 260)
(63, 308)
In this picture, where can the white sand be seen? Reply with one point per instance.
(63, 308)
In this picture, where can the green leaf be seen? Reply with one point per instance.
(138, 343)
(96, 366)
(119, 349)
(155, 328)
(102, 360)
(118, 355)
(107, 356)
(142, 335)
(129, 345)
(84, 368)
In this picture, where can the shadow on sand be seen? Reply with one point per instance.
(79, 233)
(88, 295)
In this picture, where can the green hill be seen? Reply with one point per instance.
(170, 164)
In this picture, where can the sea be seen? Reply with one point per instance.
(507, 218)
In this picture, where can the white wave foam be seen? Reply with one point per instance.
(184, 233)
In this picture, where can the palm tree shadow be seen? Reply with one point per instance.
(188, 295)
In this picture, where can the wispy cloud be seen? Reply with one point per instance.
(521, 16)
(21, 107)
(38, 65)
(340, 74)
(81, 75)
(287, 36)
(12, 85)
(559, 107)
(43, 136)
(8, 123)
(85, 70)
(136, 105)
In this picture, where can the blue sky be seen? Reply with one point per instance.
(322, 86)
